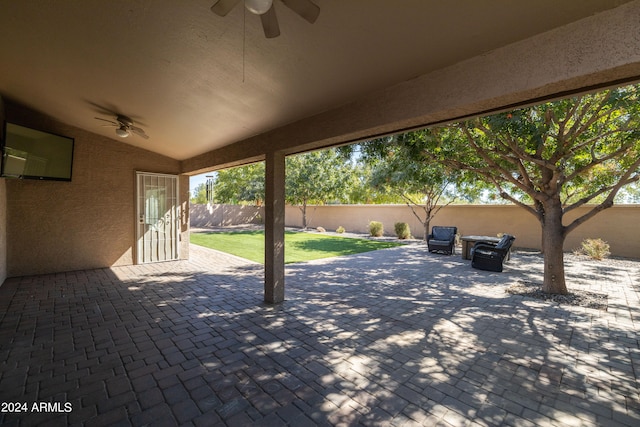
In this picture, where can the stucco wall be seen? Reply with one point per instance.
(3, 231)
(88, 222)
(224, 215)
(617, 225)
(3, 212)
(597, 51)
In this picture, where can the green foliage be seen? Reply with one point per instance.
(629, 194)
(580, 150)
(200, 195)
(340, 229)
(317, 177)
(405, 166)
(376, 229)
(399, 167)
(240, 185)
(360, 189)
(402, 230)
(595, 248)
(552, 158)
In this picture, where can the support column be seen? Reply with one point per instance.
(274, 227)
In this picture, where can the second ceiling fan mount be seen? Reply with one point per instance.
(266, 10)
(124, 126)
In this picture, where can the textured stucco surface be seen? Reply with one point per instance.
(617, 225)
(88, 222)
(3, 231)
(224, 215)
(594, 52)
(3, 214)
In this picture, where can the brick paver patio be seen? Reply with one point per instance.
(393, 337)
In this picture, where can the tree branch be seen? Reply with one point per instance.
(576, 129)
(597, 161)
(493, 165)
(410, 203)
(591, 141)
(608, 202)
(625, 179)
(517, 202)
(593, 212)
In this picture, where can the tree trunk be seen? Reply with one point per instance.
(426, 229)
(552, 242)
(303, 208)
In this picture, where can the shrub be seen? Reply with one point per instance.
(402, 230)
(376, 229)
(595, 248)
(340, 229)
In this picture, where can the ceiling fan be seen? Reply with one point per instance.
(124, 126)
(265, 9)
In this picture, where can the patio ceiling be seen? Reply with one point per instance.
(197, 82)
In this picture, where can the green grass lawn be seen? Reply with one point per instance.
(298, 246)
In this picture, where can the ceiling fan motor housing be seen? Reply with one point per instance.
(124, 126)
(124, 121)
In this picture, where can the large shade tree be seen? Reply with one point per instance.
(551, 159)
(243, 184)
(317, 178)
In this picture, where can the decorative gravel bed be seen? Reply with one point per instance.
(577, 297)
(582, 299)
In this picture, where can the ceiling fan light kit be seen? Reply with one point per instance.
(122, 132)
(306, 9)
(258, 7)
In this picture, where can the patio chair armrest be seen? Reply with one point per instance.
(488, 247)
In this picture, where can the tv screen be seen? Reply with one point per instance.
(33, 154)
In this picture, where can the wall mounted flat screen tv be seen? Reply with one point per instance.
(32, 154)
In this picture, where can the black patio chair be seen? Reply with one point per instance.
(491, 256)
(442, 239)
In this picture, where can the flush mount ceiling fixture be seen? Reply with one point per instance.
(124, 126)
(267, 12)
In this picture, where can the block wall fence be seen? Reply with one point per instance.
(619, 226)
(205, 216)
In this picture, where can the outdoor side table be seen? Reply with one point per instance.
(469, 241)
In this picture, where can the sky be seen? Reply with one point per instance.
(196, 180)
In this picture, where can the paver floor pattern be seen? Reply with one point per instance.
(391, 337)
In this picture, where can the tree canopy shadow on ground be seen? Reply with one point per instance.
(390, 336)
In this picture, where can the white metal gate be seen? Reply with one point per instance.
(158, 217)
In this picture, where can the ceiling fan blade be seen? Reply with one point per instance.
(112, 123)
(138, 131)
(222, 7)
(305, 8)
(270, 23)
